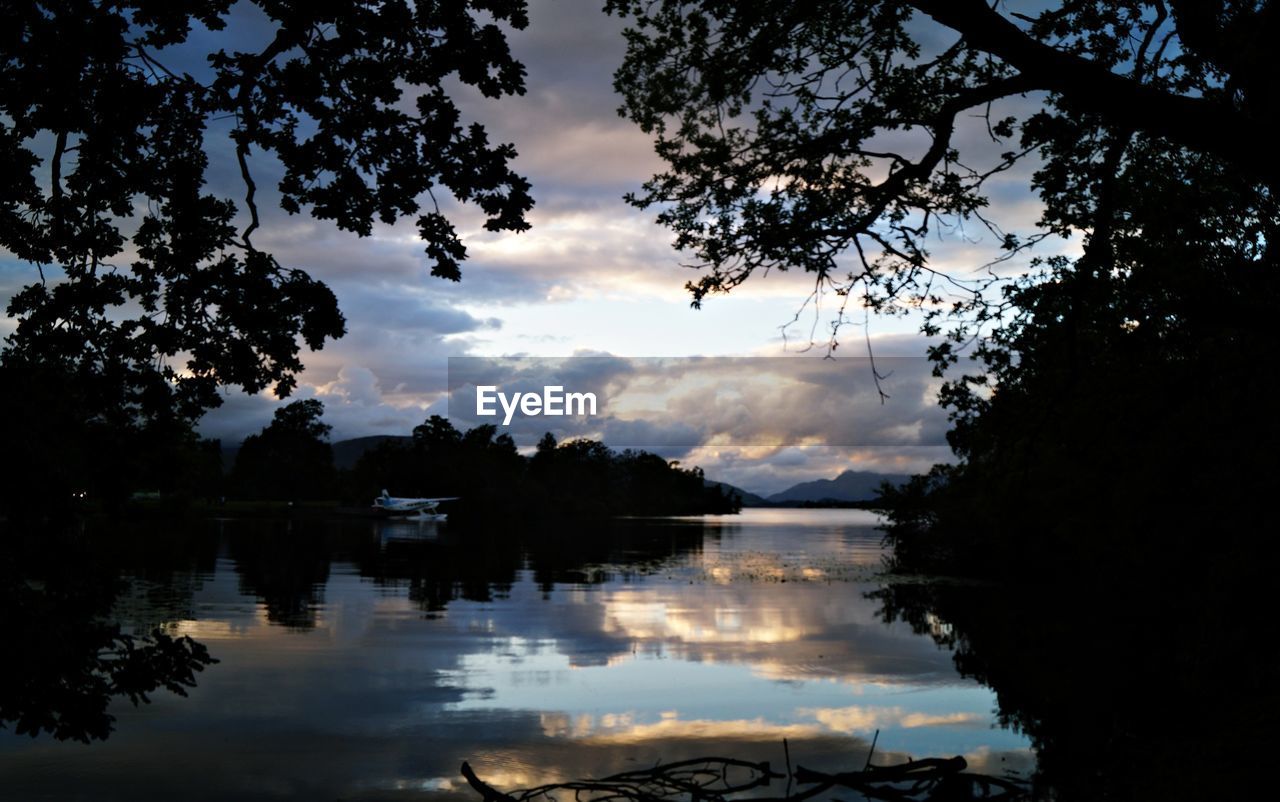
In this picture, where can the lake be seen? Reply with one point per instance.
(365, 660)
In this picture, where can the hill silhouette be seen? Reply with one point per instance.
(748, 498)
(848, 486)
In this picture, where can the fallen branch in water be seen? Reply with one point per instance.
(715, 779)
(699, 779)
(930, 778)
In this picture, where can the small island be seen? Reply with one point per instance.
(290, 460)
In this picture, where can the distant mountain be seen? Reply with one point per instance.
(848, 486)
(229, 457)
(749, 499)
(345, 452)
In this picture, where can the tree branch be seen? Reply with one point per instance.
(283, 41)
(1198, 123)
(943, 126)
(55, 188)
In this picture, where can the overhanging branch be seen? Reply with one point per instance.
(942, 127)
(1194, 122)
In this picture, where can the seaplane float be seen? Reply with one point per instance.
(423, 509)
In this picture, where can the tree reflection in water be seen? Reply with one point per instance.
(484, 562)
(92, 611)
(1150, 685)
(1144, 685)
(68, 659)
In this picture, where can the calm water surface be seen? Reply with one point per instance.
(367, 660)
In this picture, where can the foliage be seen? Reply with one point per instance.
(289, 459)
(64, 455)
(1132, 388)
(69, 660)
(112, 116)
(1119, 397)
(575, 479)
(1088, 666)
(822, 134)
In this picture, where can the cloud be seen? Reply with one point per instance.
(761, 424)
(693, 402)
(539, 681)
(767, 470)
(354, 405)
(672, 727)
(855, 719)
(592, 271)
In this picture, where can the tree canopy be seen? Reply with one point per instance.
(826, 136)
(151, 293)
(577, 479)
(289, 459)
(1116, 436)
(1118, 394)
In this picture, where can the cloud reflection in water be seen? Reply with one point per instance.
(408, 664)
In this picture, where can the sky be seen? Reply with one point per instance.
(593, 275)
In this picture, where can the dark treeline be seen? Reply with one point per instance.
(98, 466)
(577, 478)
(291, 460)
(64, 454)
(1113, 496)
(1114, 503)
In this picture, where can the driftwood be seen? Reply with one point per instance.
(717, 779)
(929, 779)
(697, 780)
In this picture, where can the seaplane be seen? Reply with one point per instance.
(424, 509)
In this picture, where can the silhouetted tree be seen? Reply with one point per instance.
(574, 479)
(289, 459)
(62, 454)
(1116, 438)
(777, 122)
(1119, 397)
(150, 292)
(438, 460)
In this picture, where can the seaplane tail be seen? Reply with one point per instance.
(424, 508)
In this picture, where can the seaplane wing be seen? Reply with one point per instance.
(387, 503)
